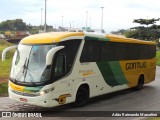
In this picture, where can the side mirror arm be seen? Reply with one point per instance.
(6, 50)
(50, 54)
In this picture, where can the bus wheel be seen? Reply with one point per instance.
(140, 82)
(82, 97)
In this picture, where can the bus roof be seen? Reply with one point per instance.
(114, 38)
(53, 37)
(50, 37)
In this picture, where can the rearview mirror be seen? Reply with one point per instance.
(50, 54)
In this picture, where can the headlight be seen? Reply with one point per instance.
(46, 91)
(42, 93)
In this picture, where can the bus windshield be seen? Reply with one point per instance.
(29, 64)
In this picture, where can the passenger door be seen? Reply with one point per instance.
(59, 72)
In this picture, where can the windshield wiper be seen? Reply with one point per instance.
(24, 67)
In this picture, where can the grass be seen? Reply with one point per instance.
(4, 89)
(5, 68)
(6, 65)
(158, 58)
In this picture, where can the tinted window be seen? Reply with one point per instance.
(60, 67)
(112, 51)
(71, 48)
(90, 51)
(64, 59)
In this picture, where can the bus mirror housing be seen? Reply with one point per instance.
(6, 50)
(50, 54)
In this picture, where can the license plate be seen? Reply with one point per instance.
(23, 99)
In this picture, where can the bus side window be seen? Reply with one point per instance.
(60, 66)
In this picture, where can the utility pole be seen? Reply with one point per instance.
(102, 20)
(73, 24)
(90, 22)
(41, 19)
(45, 24)
(62, 21)
(70, 24)
(86, 19)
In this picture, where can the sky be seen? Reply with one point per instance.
(117, 14)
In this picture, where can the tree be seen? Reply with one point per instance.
(120, 32)
(19, 25)
(13, 25)
(146, 21)
(148, 32)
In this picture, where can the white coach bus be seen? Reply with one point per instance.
(52, 69)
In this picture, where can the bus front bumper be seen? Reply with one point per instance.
(43, 101)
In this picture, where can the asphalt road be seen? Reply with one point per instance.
(147, 99)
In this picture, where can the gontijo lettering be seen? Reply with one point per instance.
(135, 65)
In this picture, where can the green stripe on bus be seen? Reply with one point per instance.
(107, 73)
(118, 73)
(103, 39)
(96, 38)
(33, 89)
(90, 38)
(112, 73)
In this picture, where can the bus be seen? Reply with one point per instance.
(57, 68)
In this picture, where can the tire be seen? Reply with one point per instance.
(140, 83)
(82, 97)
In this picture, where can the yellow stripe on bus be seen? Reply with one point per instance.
(16, 87)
